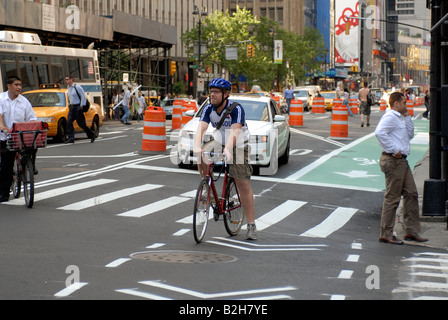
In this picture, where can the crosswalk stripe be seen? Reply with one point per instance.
(62, 191)
(154, 207)
(336, 220)
(78, 206)
(278, 214)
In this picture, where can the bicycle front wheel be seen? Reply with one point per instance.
(233, 211)
(28, 183)
(201, 210)
(16, 182)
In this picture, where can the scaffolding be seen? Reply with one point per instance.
(138, 66)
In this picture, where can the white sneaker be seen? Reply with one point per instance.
(251, 232)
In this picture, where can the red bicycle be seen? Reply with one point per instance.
(25, 139)
(208, 201)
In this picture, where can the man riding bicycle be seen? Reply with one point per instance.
(232, 140)
(13, 108)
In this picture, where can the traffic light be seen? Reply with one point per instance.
(173, 68)
(250, 50)
(354, 68)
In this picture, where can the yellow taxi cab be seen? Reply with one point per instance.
(329, 96)
(152, 101)
(52, 106)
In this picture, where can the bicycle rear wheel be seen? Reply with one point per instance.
(28, 183)
(201, 210)
(233, 210)
(16, 182)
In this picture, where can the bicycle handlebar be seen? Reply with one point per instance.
(219, 155)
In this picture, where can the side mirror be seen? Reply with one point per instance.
(279, 118)
(190, 113)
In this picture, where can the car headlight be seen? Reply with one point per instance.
(48, 119)
(258, 139)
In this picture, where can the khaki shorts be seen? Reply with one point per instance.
(240, 168)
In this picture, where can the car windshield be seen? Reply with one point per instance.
(46, 99)
(301, 94)
(328, 95)
(255, 110)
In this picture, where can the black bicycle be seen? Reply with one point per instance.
(24, 140)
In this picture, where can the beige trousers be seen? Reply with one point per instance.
(399, 183)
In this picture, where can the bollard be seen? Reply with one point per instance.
(318, 105)
(339, 123)
(154, 131)
(296, 113)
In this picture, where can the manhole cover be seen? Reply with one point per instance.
(183, 257)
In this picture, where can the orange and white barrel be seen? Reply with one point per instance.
(296, 113)
(186, 106)
(318, 105)
(410, 107)
(383, 105)
(154, 130)
(353, 105)
(339, 123)
(337, 102)
(177, 115)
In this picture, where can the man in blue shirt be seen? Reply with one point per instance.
(126, 105)
(77, 99)
(233, 136)
(289, 96)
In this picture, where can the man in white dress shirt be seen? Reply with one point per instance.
(13, 108)
(394, 133)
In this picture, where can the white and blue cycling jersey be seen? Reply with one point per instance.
(209, 115)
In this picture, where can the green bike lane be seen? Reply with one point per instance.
(356, 165)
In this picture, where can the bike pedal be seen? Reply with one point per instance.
(215, 214)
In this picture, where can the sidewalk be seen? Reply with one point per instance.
(432, 228)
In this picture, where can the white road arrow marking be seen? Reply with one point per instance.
(357, 174)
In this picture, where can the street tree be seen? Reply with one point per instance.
(221, 29)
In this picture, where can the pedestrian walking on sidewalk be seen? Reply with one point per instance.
(394, 133)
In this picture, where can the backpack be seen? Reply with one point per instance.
(370, 99)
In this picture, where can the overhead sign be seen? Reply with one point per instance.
(278, 51)
(231, 53)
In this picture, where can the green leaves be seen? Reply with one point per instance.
(220, 29)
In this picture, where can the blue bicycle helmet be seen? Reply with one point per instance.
(220, 83)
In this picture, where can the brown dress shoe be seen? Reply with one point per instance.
(391, 240)
(414, 237)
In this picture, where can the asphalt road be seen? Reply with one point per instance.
(109, 223)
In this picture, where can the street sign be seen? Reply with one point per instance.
(193, 66)
(201, 84)
(231, 53)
